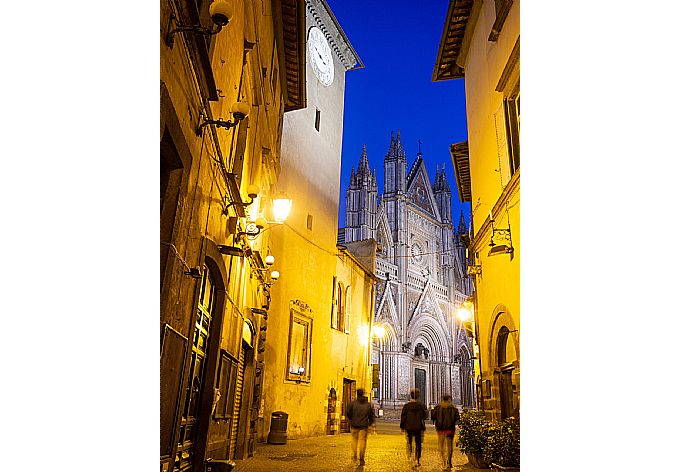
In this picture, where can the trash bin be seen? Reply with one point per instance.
(278, 432)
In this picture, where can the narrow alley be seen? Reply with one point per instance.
(385, 453)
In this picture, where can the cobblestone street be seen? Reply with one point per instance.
(386, 452)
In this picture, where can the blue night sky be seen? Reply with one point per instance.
(397, 42)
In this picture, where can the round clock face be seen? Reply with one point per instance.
(320, 56)
(417, 256)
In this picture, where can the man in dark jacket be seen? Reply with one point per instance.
(445, 416)
(412, 422)
(361, 416)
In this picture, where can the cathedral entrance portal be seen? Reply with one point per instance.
(420, 384)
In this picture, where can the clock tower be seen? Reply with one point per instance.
(305, 246)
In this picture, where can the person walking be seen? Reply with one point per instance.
(361, 416)
(445, 416)
(412, 422)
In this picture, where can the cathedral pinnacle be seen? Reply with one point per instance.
(363, 167)
(462, 227)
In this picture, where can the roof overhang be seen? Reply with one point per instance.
(460, 152)
(290, 26)
(459, 24)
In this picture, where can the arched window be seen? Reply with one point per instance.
(340, 314)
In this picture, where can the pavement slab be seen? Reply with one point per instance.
(386, 452)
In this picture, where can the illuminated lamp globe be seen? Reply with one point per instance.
(464, 313)
(275, 274)
(281, 207)
(221, 12)
(261, 222)
(270, 260)
(378, 331)
(240, 110)
(253, 191)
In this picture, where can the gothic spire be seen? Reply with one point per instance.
(391, 147)
(443, 181)
(363, 167)
(462, 227)
(352, 176)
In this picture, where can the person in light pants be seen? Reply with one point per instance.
(361, 416)
(445, 416)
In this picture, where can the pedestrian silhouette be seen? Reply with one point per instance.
(412, 422)
(361, 416)
(445, 416)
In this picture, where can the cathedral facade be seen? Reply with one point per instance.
(422, 276)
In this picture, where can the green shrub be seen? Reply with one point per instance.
(473, 434)
(503, 443)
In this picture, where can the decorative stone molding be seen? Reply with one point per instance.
(327, 23)
(301, 306)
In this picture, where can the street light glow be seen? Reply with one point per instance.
(281, 207)
(378, 331)
(464, 313)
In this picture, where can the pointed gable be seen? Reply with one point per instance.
(387, 310)
(419, 188)
(384, 236)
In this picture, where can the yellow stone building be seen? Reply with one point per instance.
(481, 43)
(229, 70)
(318, 338)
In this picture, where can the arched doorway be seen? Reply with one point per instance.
(466, 384)
(191, 411)
(505, 373)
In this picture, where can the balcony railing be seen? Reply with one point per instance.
(383, 268)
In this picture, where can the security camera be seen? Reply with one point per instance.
(221, 12)
(240, 110)
(252, 191)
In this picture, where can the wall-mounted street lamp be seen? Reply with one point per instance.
(500, 234)
(378, 331)
(221, 13)
(252, 193)
(238, 110)
(281, 210)
(281, 207)
(261, 270)
(465, 314)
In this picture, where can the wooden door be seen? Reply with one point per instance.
(420, 384)
(192, 403)
(505, 387)
(349, 393)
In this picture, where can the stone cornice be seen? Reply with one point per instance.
(327, 22)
